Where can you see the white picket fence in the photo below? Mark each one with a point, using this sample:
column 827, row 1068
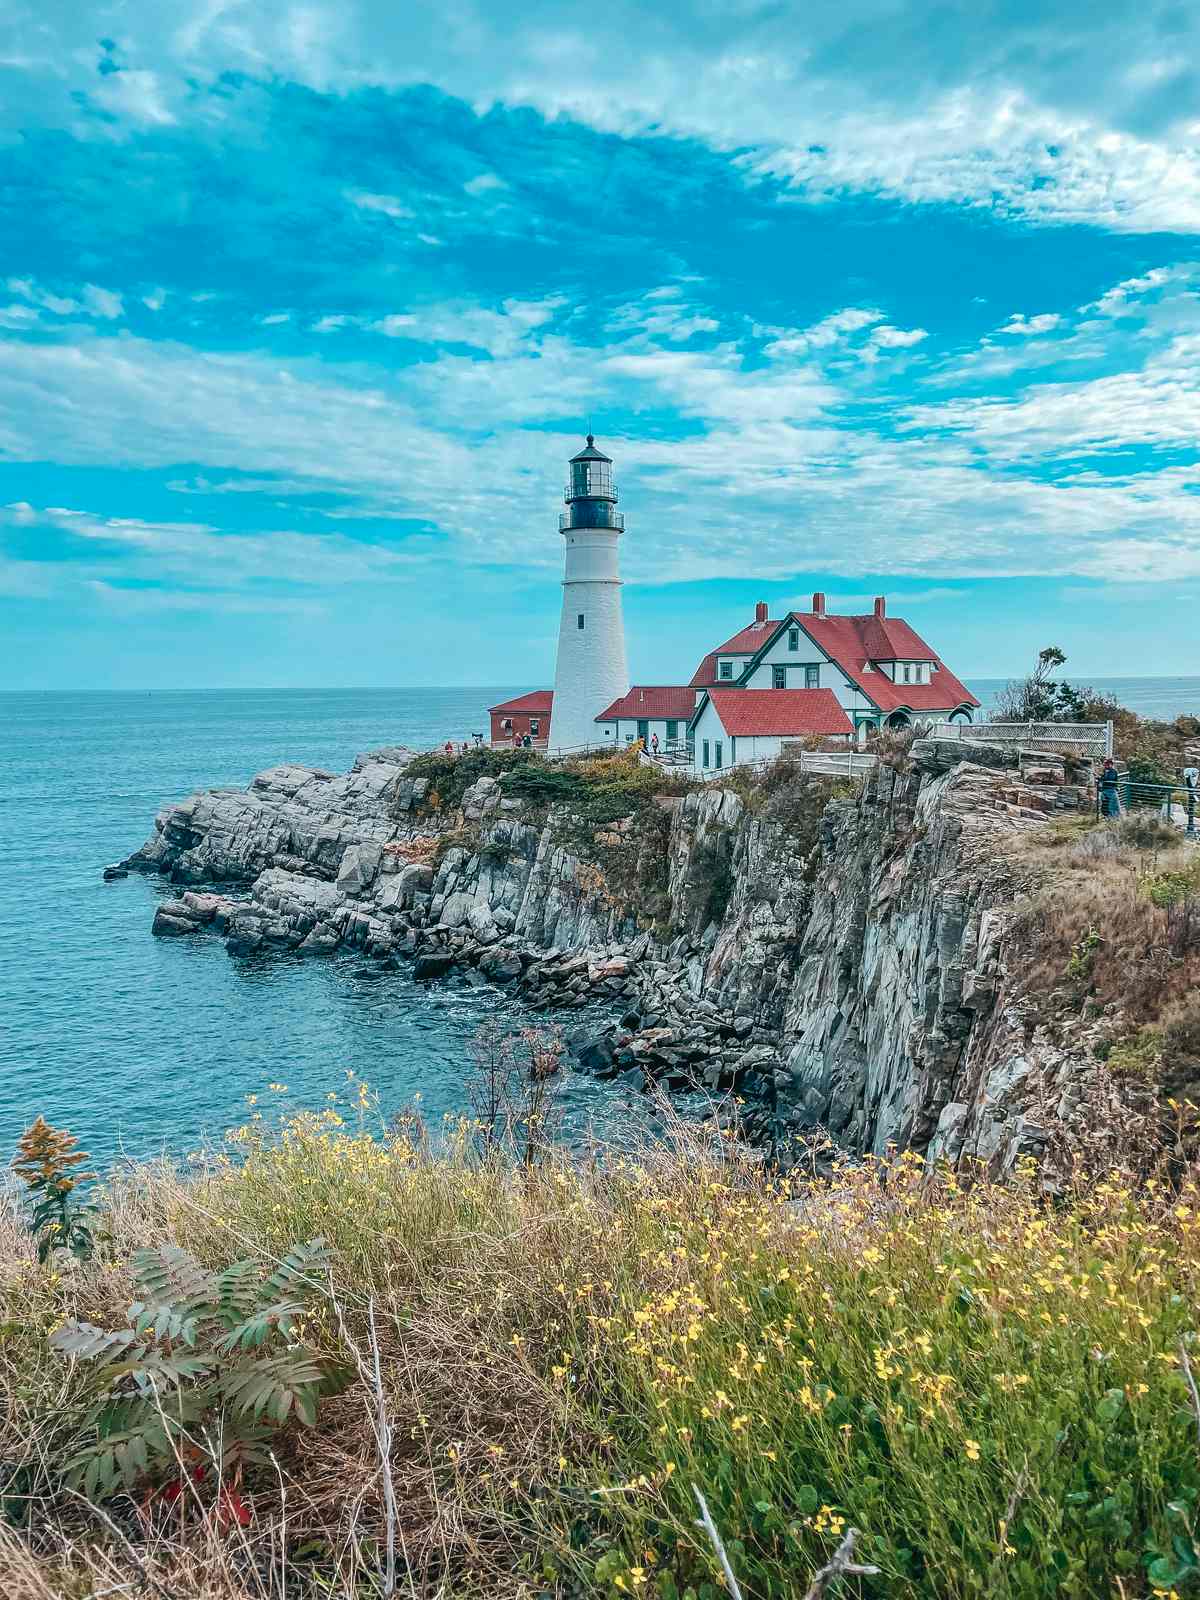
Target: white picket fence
column 1093, row 739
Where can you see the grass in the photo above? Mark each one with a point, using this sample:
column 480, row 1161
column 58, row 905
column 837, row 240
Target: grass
column 988, row 1385
column 1102, row 925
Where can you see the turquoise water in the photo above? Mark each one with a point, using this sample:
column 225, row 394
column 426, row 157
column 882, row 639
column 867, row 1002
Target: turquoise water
column 141, row 1044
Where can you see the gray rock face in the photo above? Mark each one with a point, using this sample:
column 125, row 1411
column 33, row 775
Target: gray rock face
column 290, row 816
column 863, row 986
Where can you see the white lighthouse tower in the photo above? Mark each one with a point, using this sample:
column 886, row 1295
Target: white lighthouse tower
column 591, row 671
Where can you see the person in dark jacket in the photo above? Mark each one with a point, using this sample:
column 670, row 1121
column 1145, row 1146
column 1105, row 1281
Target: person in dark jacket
column 1110, row 797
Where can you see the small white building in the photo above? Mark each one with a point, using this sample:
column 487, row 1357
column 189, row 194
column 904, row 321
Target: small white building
column 656, row 714
column 732, row 726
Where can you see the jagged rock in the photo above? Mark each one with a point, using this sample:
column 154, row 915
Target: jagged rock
column 500, row 965
column 168, row 922
column 432, row 966
column 110, row 874
column 359, row 867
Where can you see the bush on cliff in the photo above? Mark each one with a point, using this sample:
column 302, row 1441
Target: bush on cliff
column 993, row 1389
column 450, row 776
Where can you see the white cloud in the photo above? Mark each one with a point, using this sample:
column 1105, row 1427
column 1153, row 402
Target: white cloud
column 897, row 338
column 485, row 183
column 155, row 300
column 330, row 324
column 831, row 330
column 274, row 319
column 102, row 302
column 1048, row 114
column 498, row 332
column 1029, row 327
column 387, row 204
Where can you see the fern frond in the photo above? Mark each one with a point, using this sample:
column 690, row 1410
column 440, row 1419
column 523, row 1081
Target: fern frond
column 299, row 1273
column 88, row 1343
column 238, row 1289
column 259, row 1327
column 169, row 1276
column 164, row 1322
column 275, row 1386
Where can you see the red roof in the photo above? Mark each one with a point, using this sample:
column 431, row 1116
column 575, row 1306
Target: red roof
column 748, row 642
column 706, row 673
column 646, row 700
column 537, row 700
column 853, row 642
column 745, row 712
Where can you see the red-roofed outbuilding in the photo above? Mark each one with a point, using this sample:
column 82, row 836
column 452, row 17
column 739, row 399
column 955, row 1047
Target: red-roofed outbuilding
column 526, row 714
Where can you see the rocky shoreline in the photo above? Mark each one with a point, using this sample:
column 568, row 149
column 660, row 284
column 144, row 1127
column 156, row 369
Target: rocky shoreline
column 853, row 984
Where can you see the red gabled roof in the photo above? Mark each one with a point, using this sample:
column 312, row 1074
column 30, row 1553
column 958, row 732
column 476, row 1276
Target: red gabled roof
column 749, row 641
column 853, row 642
column 536, row 700
column 645, row 700
column 779, row 712
column 706, row 673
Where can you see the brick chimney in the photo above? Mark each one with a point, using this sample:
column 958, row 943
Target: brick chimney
column 818, row 604
column 760, row 612
column 880, row 606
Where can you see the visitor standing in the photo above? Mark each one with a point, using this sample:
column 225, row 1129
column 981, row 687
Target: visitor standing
column 1110, row 795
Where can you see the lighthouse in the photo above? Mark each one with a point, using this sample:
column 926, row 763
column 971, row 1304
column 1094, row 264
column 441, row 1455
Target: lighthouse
column 591, row 672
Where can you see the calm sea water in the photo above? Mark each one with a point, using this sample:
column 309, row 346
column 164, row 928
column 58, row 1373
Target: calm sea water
column 142, row 1044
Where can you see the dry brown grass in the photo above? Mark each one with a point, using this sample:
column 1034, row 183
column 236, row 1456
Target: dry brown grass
column 1089, row 931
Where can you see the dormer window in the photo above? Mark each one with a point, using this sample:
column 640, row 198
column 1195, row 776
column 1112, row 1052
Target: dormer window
column 725, row 669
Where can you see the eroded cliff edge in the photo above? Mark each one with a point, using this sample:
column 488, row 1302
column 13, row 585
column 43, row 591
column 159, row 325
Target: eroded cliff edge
column 845, row 969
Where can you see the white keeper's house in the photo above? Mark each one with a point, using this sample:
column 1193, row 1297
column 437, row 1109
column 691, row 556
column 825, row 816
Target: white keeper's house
column 806, row 675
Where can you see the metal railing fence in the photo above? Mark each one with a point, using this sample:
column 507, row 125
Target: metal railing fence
column 1176, row 803
column 1093, row 739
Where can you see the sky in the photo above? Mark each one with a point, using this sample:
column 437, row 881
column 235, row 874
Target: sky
column 304, row 305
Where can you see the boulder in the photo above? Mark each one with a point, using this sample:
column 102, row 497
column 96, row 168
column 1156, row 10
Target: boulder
column 502, row 966
column 359, row 868
column 432, row 966
column 598, row 1057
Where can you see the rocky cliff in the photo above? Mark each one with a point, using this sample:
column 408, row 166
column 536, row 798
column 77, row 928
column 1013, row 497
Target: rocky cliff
column 854, row 977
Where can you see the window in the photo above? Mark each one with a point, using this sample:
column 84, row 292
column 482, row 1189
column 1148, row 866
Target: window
column 506, row 725
column 793, row 638
column 779, row 677
column 907, row 673
column 672, row 729
column 717, row 755
column 732, row 750
column 643, row 727
column 812, row 677
column 579, row 620
column 704, row 762
column 725, row 669
column 535, row 726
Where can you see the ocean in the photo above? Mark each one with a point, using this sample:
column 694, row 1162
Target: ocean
column 142, row 1045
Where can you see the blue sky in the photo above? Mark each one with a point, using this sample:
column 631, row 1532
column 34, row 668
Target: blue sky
column 304, row 306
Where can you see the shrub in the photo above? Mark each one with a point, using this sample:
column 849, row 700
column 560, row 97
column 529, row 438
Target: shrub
column 451, row 776
column 1146, row 832
column 45, row 1162
column 211, row 1365
column 1180, row 1048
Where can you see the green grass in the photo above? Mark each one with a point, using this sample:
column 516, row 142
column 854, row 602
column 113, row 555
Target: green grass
column 987, row 1384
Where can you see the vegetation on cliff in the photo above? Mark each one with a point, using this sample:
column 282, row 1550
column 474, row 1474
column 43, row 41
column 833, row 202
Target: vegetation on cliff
column 552, row 1357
